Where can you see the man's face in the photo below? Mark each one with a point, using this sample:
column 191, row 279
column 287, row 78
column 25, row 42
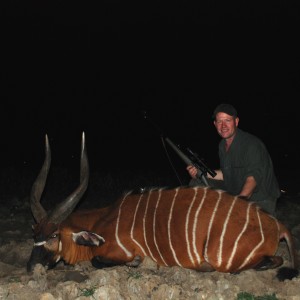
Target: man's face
column 226, row 125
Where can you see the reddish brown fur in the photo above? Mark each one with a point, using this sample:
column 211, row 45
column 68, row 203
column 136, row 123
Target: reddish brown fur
column 104, row 222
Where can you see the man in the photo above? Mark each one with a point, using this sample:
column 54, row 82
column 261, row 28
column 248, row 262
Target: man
column 246, row 168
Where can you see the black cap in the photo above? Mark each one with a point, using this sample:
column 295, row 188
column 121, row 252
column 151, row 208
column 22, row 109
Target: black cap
column 225, row 108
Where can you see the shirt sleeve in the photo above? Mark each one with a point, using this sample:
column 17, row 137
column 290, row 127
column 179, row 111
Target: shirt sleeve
column 255, row 161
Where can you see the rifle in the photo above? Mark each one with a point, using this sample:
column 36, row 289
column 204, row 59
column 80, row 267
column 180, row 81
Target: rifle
column 190, row 158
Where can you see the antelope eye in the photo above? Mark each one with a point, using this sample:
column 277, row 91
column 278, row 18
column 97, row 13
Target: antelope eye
column 54, row 236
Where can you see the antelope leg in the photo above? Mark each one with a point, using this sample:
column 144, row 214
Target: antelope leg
column 269, row 262
column 206, row 267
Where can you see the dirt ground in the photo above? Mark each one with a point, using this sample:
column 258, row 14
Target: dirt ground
column 147, row 281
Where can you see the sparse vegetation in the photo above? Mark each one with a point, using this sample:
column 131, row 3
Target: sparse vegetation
column 14, row 279
column 88, row 292
column 134, row 274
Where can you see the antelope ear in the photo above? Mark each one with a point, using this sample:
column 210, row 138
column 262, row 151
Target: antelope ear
column 87, row 238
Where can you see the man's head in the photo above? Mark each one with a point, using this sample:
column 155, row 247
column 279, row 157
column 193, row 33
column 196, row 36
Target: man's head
column 226, row 120
column 225, row 108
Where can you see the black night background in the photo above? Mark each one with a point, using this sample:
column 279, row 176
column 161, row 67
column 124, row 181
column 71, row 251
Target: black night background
column 69, row 67
column 98, row 67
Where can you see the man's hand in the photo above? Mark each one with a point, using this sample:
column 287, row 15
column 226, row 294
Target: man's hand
column 192, row 171
column 248, row 188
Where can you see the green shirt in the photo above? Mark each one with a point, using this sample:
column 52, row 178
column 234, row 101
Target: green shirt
column 248, row 156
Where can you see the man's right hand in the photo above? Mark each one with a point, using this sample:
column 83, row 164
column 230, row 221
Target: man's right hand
column 192, row 171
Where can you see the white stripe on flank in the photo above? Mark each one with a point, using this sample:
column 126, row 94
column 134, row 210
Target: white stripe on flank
column 220, row 250
column 210, row 225
column 187, row 227
column 195, row 224
column 128, row 253
column 154, row 228
column 258, row 245
column 229, row 263
column 169, row 229
column 133, row 224
column 144, row 227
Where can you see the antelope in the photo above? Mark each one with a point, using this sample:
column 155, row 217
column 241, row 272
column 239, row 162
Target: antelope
column 192, row 227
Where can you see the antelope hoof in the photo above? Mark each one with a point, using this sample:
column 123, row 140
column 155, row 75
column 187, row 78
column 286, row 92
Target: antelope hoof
column 269, row 262
column 135, row 262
